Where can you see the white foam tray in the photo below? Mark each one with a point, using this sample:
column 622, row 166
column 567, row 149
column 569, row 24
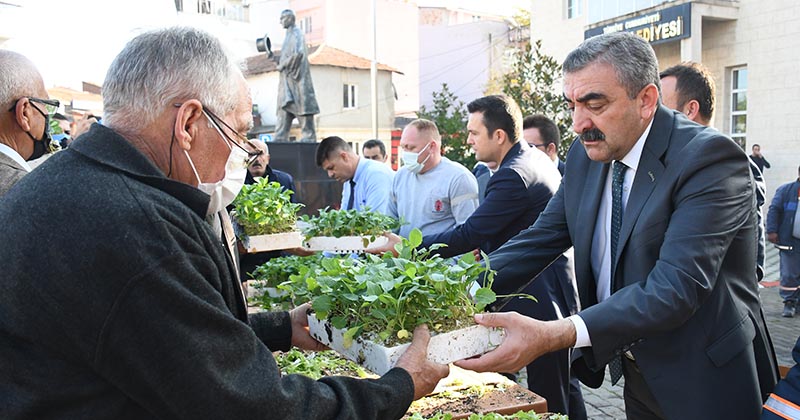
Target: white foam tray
column 275, row 241
column 345, row 244
column 443, row 348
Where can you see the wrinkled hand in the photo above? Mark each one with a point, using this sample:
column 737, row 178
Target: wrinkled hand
column 300, row 336
column 773, row 237
column 426, row 374
column 389, row 247
column 477, row 254
column 526, row 339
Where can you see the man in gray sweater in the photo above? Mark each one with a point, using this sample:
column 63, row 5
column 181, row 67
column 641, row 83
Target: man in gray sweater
column 133, row 309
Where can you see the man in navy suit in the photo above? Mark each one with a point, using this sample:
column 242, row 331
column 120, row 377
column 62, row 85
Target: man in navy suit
column 515, row 194
column 665, row 250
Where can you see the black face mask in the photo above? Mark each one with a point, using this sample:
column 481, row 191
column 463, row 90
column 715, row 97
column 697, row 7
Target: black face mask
column 41, row 146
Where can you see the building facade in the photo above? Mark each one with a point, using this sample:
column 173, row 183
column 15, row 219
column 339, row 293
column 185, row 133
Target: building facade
column 748, row 45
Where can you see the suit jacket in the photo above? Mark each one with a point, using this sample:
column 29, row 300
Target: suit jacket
column 10, row 173
column 561, row 167
column 515, row 195
column 684, row 294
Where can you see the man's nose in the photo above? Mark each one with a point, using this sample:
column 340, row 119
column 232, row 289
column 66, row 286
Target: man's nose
column 580, row 121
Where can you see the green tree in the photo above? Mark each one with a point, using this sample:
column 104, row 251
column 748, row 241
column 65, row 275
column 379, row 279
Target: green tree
column 450, row 116
column 532, row 82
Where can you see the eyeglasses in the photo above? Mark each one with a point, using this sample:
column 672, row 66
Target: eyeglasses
column 242, row 139
column 544, row 146
column 50, row 105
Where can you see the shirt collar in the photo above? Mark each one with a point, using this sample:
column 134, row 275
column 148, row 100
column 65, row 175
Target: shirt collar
column 4, row 149
column 631, row 160
column 359, row 172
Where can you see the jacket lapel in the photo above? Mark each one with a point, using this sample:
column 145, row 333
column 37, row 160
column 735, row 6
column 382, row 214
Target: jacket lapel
column 648, row 173
column 587, row 214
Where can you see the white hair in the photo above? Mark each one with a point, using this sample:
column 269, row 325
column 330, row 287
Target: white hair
column 18, row 77
column 161, row 67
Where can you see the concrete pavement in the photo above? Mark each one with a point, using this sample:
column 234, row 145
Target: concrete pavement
column 606, row 402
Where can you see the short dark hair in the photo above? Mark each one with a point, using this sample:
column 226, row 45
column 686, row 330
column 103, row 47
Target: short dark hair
column 755, row 145
column 500, row 112
column 548, row 130
column 369, row 144
column 330, row 145
column 693, row 81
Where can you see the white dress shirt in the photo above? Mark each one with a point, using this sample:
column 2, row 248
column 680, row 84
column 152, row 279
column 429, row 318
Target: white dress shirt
column 601, row 239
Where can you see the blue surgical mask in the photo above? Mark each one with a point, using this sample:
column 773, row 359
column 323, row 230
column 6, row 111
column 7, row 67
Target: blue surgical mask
column 410, row 160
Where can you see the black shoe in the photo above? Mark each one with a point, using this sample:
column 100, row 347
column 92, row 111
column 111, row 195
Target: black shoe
column 788, row 310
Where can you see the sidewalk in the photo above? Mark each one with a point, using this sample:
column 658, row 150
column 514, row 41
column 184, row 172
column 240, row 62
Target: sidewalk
column 606, row 402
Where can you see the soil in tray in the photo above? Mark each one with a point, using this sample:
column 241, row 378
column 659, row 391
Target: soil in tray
column 481, row 399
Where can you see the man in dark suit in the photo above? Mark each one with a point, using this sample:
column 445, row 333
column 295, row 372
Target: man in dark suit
column 542, row 133
column 516, row 193
column 665, row 250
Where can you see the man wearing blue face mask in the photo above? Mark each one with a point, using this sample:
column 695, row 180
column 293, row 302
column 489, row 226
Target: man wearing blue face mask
column 25, row 124
column 133, row 309
column 430, row 192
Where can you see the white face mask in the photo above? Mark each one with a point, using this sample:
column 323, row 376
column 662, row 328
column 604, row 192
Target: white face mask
column 410, row 160
column 225, row 190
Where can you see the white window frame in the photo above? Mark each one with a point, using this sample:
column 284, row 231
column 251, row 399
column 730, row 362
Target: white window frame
column 349, row 96
column 572, row 8
column 740, row 138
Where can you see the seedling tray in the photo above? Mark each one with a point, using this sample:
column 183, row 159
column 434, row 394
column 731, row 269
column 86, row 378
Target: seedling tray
column 443, row 348
column 275, row 241
column 345, row 244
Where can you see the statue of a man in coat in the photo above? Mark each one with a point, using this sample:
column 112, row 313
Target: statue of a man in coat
column 296, row 98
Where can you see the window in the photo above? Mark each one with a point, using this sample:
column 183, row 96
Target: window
column 305, row 25
column 179, row 5
column 739, row 105
column 350, row 93
column 204, row 7
column 573, row 8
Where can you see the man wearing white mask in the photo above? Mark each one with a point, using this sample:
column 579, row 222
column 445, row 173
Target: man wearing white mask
column 134, row 309
column 430, row 192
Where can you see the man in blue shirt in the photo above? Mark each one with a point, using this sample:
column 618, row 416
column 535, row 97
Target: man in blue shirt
column 367, row 183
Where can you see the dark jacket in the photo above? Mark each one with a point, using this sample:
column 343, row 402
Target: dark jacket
column 132, row 311
column 780, row 217
column 787, row 390
column 515, row 195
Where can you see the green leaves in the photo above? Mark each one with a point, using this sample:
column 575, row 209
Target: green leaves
column 264, row 208
column 338, row 223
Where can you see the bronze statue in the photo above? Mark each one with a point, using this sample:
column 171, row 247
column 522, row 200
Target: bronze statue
column 296, row 98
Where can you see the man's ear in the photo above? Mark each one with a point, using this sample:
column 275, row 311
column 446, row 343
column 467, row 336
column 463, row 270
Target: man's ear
column 23, row 113
column 551, row 148
column 499, row 136
column 187, row 123
column 691, row 109
column 649, row 97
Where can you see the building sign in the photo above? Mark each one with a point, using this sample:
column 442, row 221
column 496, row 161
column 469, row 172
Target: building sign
column 670, row 24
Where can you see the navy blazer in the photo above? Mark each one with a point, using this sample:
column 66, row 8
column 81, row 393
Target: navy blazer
column 684, row 292
column 515, row 195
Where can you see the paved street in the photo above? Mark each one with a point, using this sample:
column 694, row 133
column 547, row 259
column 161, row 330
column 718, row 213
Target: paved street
column 606, row 402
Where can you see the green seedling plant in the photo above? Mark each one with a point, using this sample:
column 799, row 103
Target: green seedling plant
column 270, row 276
column 318, row 364
column 264, row 208
column 386, row 297
column 339, row 223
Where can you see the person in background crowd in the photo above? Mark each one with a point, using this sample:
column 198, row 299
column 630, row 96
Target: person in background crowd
column 374, row 149
column 542, row 133
column 689, row 89
column 157, row 325
column 759, row 159
column 783, row 229
column 664, row 246
column 367, row 183
column 65, row 124
column 24, row 117
column 430, row 192
column 260, row 168
column 784, row 402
